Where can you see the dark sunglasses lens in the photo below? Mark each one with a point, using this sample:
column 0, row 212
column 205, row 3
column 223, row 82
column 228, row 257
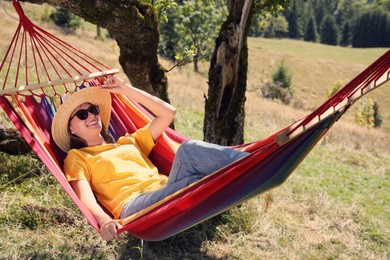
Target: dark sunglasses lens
column 82, row 114
column 94, row 110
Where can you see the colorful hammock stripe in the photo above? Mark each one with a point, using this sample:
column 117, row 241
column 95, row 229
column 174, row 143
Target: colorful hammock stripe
column 31, row 108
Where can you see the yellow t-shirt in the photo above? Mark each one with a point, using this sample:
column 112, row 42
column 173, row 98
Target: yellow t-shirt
column 117, row 172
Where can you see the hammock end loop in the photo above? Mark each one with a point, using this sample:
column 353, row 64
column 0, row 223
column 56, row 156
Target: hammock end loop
column 18, row 8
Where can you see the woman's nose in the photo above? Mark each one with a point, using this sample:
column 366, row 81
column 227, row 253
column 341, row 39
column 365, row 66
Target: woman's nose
column 91, row 115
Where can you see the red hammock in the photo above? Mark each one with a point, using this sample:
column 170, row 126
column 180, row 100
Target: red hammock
column 38, row 57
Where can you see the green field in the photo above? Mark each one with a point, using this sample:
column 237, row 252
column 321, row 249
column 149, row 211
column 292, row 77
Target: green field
column 334, row 206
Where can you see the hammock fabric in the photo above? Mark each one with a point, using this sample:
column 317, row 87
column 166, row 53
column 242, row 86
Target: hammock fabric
column 32, row 106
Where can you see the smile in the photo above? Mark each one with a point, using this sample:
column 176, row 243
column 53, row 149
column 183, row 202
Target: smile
column 93, row 122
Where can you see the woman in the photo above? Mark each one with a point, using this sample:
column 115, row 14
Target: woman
column 119, row 176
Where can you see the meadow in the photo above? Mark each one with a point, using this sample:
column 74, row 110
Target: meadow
column 334, row 206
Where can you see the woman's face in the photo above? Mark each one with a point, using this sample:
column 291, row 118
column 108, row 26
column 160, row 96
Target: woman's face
column 87, row 128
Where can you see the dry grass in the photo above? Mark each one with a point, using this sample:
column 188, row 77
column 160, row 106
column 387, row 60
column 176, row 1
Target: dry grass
column 315, row 68
column 264, row 117
column 323, row 229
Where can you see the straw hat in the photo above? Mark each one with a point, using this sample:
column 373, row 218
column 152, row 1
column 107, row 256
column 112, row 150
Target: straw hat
column 93, row 95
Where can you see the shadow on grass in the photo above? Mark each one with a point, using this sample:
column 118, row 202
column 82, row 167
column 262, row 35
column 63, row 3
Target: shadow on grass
column 185, row 245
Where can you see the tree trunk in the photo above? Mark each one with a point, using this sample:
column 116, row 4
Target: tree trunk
column 98, row 32
column 136, row 29
column 196, row 67
column 224, row 108
column 11, row 142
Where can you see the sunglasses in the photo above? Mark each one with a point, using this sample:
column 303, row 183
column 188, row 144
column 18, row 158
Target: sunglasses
column 82, row 114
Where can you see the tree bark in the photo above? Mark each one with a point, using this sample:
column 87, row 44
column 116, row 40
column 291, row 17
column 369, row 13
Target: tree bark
column 224, row 106
column 136, row 29
column 11, row 142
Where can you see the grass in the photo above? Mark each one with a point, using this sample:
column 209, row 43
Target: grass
column 334, row 206
column 314, row 68
column 328, row 209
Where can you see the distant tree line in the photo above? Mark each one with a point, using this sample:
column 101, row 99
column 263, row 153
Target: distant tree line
column 356, row 23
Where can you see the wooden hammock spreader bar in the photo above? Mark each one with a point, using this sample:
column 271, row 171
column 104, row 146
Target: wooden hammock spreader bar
column 290, row 134
column 53, row 83
column 373, row 85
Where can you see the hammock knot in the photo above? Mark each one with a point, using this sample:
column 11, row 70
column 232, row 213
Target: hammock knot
column 27, row 24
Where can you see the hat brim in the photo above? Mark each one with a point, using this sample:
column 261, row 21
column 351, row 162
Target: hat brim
column 93, row 95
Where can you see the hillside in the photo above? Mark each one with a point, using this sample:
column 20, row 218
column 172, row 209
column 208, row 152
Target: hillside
column 334, row 206
column 314, row 69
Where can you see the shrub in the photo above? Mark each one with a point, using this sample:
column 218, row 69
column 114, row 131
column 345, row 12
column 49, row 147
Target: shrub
column 368, row 114
column 334, row 88
column 65, row 19
column 274, row 90
column 280, row 88
column 377, row 116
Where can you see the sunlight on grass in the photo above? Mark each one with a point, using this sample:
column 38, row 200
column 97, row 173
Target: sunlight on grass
column 363, row 56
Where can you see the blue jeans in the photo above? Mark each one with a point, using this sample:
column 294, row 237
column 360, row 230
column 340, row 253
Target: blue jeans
column 193, row 161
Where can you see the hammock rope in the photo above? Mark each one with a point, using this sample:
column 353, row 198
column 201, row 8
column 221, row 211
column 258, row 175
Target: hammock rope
column 52, row 67
column 45, row 57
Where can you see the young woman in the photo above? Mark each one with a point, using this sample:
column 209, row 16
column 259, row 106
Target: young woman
column 119, row 176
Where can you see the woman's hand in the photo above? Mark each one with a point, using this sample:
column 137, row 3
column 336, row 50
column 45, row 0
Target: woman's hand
column 108, row 227
column 108, row 230
column 164, row 113
column 115, row 85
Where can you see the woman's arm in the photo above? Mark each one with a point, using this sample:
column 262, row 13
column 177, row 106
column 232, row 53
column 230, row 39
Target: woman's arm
column 163, row 111
column 107, row 225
